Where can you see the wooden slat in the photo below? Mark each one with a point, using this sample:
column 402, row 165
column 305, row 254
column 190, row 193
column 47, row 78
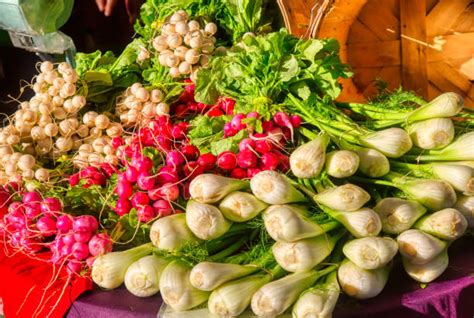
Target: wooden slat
column 463, row 66
column 364, row 76
column 392, row 75
column 359, row 33
column 393, row 6
column 374, row 54
column 465, row 22
column 443, row 15
column 443, row 83
column 380, row 20
column 430, row 4
column 453, row 76
column 451, row 47
column 414, row 73
column 433, row 91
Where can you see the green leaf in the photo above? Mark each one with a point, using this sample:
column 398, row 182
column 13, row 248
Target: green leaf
column 289, row 69
column 311, row 48
column 206, row 90
column 301, row 89
column 227, row 144
column 102, row 77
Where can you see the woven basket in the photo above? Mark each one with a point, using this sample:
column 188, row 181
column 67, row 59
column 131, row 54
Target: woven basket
column 423, row 45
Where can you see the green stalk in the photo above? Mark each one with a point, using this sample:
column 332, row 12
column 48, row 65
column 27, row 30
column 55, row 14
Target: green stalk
column 373, row 181
column 229, row 250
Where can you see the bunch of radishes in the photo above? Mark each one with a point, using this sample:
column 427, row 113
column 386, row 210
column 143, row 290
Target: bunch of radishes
column 37, row 224
column 183, row 46
column 93, row 176
column 138, row 105
column 186, row 105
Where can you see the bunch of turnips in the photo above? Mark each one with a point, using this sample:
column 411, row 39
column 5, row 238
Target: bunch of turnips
column 200, row 173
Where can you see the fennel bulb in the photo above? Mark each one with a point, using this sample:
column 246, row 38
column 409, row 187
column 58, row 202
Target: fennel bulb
column 241, row 206
column 232, row 298
column 205, row 220
column 289, row 223
column 209, row 275
column 274, row 188
column 142, row 278
column 445, row 105
column 307, row 160
column 171, row 232
column 461, row 149
column 392, row 142
column 372, row 163
column 371, row 252
column 210, row 188
column 304, row 254
column 360, row 223
column 419, row 247
column 318, row 301
column 461, row 177
column 342, row 163
column 447, row 224
column 347, row 197
column 274, row 298
column 398, row 215
column 465, row 205
column 361, row 283
column 426, row 273
column 108, row 270
column 433, row 133
column 176, row 289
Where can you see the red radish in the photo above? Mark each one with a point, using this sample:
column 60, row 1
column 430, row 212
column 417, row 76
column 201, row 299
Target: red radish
column 5, row 201
column 80, row 250
column 68, row 239
column 162, row 208
column 267, row 125
column 131, row 174
column 283, row 120
column 90, row 261
column 145, row 213
column 227, row 105
column 169, row 191
column 236, row 122
column 122, row 177
column 191, row 152
column 82, row 236
column 108, row 170
column 215, row 112
column 31, row 245
column 276, row 135
column 32, row 211
column 163, row 143
column 16, row 208
column 117, row 142
column 226, row 160
column 154, row 194
column 140, row 199
column 229, row 131
column 124, row 190
column 144, row 164
column 174, row 158
column 253, row 171
column 246, row 159
column 51, row 205
column 202, row 107
column 246, row 144
column 46, row 225
column 66, row 250
column 74, row 266
column 263, row 146
column 122, row 206
column 270, row 161
column 145, row 181
column 238, row 173
column 85, row 223
column 100, row 244
column 64, row 223
column 177, row 133
column 192, row 169
column 286, row 134
column 30, row 197
column 207, row 160
column 253, row 114
column 295, row 121
column 167, row 174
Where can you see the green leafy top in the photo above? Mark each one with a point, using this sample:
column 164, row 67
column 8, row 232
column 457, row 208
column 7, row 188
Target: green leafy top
column 260, row 71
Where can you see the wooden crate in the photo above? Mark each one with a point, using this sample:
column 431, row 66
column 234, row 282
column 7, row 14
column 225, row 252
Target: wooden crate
column 423, row 45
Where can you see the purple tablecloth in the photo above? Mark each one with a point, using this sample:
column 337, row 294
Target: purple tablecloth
column 451, row 296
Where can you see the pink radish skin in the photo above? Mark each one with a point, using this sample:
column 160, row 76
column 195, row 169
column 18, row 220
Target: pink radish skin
column 140, row 199
column 124, row 190
column 131, row 174
column 145, row 213
column 191, row 152
column 64, row 223
column 226, row 160
column 51, row 205
column 162, row 208
column 144, row 164
column 74, row 267
column 246, row 144
column 46, row 225
column 229, row 131
column 31, row 197
column 100, row 244
column 85, row 223
column 169, row 191
column 82, row 237
column 122, row 207
column 207, row 161
column 246, row 159
column 236, row 122
column 270, row 161
column 239, row 173
column 145, row 181
column 68, row 239
column 174, row 158
column 80, row 250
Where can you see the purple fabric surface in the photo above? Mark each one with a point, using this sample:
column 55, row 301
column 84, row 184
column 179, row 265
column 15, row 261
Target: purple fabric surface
column 450, row 296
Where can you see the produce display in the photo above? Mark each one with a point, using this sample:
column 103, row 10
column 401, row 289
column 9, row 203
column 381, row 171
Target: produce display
column 211, row 163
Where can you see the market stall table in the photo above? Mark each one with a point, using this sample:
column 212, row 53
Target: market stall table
column 450, row 296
